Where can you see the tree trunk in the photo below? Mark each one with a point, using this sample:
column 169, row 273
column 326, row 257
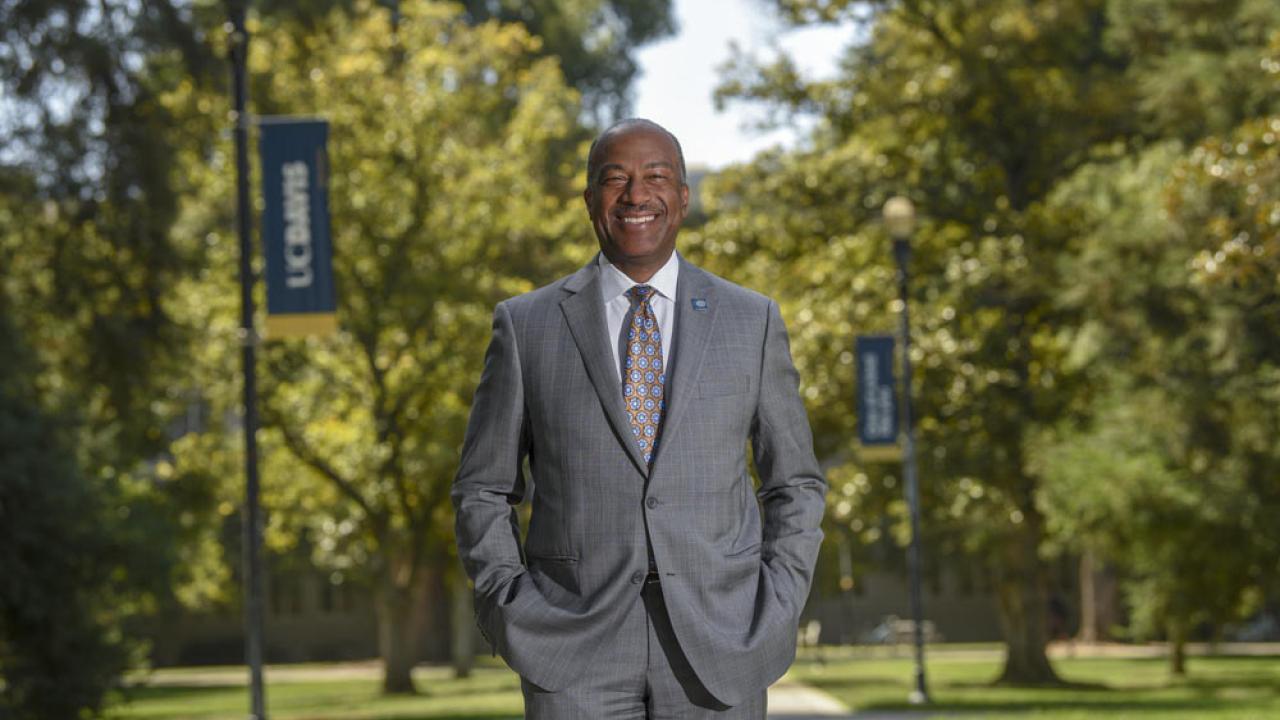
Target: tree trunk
column 462, row 629
column 1024, row 608
column 1088, row 600
column 1098, row 604
column 1108, row 600
column 1177, row 629
column 400, row 606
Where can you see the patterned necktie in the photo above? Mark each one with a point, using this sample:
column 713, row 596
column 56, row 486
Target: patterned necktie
column 642, row 372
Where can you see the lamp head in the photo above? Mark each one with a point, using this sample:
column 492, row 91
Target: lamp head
column 899, row 217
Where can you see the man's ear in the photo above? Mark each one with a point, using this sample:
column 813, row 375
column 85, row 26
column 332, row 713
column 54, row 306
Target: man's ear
column 586, row 198
column 684, row 198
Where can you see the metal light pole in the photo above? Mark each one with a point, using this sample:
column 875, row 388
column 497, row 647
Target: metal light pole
column 899, row 218
column 238, row 46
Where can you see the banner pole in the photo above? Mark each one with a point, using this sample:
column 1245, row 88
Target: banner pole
column 239, row 46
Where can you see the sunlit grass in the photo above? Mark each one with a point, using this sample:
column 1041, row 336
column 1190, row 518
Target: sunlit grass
column 490, row 693
column 1246, row 688
column 1239, row 688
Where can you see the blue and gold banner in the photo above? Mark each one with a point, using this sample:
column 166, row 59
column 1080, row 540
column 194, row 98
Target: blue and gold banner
column 295, row 227
column 877, row 398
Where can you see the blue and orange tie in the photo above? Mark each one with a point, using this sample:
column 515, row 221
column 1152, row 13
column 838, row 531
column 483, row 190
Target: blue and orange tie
column 643, row 374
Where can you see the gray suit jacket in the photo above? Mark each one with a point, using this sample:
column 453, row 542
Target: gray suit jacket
column 735, row 572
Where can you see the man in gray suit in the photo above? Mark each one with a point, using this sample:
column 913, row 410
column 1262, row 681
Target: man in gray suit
column 652, row 582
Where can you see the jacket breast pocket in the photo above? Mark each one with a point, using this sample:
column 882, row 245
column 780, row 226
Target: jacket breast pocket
column 724, row 385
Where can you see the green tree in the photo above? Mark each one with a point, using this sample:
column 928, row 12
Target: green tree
column 451, row 189
column 1227, row 196
column 95, row 526
column 594, row 41
column 955, row 104
column 1176, row 277
column 74, row 571
column 978, row 111
column 1138, row 488
column 88, row 159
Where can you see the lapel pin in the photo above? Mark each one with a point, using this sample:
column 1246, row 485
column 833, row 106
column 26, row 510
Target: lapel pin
column 699, row 304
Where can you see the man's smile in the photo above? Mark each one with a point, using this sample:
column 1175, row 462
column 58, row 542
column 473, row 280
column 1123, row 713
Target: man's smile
column 637, row 219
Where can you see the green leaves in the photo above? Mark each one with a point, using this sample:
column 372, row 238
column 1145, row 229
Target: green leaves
column 72, row 572
column 450, row 190
column 592, row 41
column 1086, row 257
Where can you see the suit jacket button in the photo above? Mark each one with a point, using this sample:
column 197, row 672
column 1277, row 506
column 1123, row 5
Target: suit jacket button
column 637, row 578
column 652, row 503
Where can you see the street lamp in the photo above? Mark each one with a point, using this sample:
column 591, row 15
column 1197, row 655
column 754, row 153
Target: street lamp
column 900, row 220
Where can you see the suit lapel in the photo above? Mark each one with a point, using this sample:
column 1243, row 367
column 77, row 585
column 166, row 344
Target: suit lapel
column 694, row 318
column 584, row 312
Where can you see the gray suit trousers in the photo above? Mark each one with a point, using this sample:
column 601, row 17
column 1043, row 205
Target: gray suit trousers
column 643, row 674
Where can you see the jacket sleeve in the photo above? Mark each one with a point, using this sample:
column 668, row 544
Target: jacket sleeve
column 490, row 480
column 792, row 490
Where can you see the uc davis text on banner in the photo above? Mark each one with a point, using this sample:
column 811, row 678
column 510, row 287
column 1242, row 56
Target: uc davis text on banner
column 295, row 227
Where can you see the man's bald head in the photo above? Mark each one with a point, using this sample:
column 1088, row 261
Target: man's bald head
column 593, row 164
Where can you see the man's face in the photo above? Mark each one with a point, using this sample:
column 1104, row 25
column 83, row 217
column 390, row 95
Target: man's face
column 636, row 199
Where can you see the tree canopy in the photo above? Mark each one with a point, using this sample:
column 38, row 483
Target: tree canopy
column 451, row 189
column 1007, row 123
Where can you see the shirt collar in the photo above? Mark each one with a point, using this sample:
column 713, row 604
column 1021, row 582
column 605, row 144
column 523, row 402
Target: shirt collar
column 614, row 282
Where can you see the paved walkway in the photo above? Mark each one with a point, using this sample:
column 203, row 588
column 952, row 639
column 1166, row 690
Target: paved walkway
column 790, row 700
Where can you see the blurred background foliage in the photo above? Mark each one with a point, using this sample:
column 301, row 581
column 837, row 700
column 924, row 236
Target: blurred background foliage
column 451, row 190
column 1095, row 310
column 1098, row 246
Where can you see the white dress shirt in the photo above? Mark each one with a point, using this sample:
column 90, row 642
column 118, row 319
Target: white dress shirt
column 614, row 285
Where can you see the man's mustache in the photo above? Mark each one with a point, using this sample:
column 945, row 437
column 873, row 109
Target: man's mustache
column 639, row 209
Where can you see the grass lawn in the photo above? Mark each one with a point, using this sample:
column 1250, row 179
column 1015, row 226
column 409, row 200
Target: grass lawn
column 1103, row 688
column 1239, row 688
column 490, row 693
